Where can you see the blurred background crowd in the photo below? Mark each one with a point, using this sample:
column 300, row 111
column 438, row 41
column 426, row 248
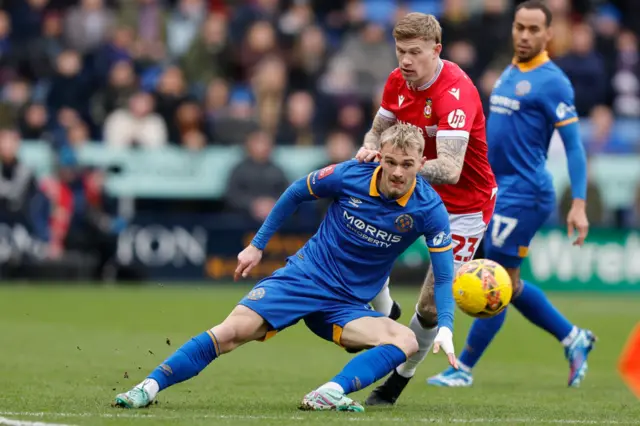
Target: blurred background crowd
column 260, row 75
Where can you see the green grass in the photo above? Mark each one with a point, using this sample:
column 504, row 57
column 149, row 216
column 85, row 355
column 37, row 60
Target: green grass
column 64, row 353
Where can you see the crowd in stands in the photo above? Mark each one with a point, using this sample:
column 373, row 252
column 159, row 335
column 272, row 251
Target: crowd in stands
column 265, row 73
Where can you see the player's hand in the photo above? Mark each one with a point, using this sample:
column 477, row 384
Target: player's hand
column 247, row 260
column 577, row 221
column 366, row 155
column 444, row 340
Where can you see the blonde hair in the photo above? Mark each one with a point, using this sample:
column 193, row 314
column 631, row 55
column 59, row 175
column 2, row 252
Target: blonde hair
column 403, row 136
column 418, row 25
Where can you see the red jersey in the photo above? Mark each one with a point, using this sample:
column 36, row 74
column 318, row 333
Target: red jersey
column 449, row 105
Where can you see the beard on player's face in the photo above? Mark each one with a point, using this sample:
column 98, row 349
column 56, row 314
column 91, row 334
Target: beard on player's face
column 530, row 34
column 399, row 170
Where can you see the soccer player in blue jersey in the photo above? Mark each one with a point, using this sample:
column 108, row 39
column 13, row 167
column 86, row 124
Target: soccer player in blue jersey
column 532, row 98
column 378, row 211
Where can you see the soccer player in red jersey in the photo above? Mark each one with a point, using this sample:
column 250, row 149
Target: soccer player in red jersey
column 439, row 98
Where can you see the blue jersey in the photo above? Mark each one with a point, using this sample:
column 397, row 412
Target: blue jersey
column 363, row 233
column 528, row 103
column 346, row 263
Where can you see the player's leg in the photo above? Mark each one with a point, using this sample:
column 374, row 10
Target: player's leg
column 275, row 303
column 467, row 231
column 241, row 326
column 385, row 304
column 509, row 236
column 424, row 325
column 388, row 342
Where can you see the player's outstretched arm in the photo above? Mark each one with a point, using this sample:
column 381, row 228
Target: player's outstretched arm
column 439, row 242
column 326, row 182
column 447, row 167
column 560, row 109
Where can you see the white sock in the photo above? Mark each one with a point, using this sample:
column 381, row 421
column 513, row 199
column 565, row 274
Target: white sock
column 333, row 386
column 425, row 337
column 383, row 301
column 571, row 337
column 151, row 386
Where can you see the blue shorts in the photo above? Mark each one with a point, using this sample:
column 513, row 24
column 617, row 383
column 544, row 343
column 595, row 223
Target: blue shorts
column 511, row 230
column 288, row 296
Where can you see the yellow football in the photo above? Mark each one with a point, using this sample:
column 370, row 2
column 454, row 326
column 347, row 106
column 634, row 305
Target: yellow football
column 482, row 288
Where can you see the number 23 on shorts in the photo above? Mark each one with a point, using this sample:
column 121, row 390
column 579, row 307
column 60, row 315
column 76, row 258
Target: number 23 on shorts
column 464, row 248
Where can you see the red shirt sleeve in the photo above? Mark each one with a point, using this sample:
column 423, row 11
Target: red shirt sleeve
column 389, row 104
column 457, row 110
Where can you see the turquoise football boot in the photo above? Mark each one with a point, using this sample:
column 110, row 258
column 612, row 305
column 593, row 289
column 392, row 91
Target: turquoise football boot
column 135, row 398
column 329, row 399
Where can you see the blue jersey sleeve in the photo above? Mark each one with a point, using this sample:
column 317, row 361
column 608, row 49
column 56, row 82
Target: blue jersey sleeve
column 438, row 238
column 560, row 109
column 558, row 102
column 326, row 182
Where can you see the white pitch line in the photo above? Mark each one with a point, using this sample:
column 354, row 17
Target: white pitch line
column 10, row 422
column 143, row 416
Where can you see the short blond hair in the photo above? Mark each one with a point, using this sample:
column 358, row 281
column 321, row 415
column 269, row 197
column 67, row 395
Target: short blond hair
column 403, row 136
column 418, row 25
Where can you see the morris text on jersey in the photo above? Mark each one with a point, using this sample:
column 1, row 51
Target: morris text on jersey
column 369, row 232
column 504, row 105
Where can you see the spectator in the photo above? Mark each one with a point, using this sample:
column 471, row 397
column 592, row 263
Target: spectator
column 183, row 26
column 210, row 56
column 69, row 88
column 603, row 137
column 148, row 18
column 71, row 214
column 233, row 124
column 8, row 49
column 256, row 183
column 297, row 127
column 17, row 183
column 136, row 125
column 626, row 80
column 309, row 58
column 370, row 58
column 171, row 92
column 38, row 58
column 78, row 135
column 15, row 95
column 121, row 85
column 189, row 118
column 259, row 43
column 88, row 25
column 33, row 123
column 269, row 84
column 585, row 68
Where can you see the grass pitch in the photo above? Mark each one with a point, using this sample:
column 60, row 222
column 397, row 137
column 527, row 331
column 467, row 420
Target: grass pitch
column 66, row 352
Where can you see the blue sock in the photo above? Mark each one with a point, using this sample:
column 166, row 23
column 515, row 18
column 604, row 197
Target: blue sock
column 482, row 332
column 369, row 367
column 536, row 307
column 187, row 361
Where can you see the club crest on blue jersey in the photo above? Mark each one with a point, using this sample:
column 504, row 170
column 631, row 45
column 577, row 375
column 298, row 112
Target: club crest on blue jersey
column 404, row 223
column 256, row 294
column 523, row 87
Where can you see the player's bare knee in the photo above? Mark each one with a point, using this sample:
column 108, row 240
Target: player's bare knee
column 400, row 336
column 407, row 341
column 241, row 326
